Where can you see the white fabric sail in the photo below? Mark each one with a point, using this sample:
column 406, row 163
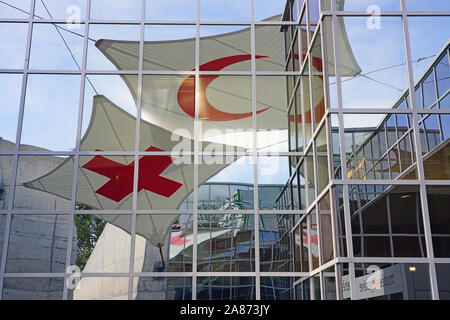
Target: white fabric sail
column 224, row 101
column 106, row 182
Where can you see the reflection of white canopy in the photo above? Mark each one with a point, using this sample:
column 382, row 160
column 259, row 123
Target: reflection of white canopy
column 167, row 100
column 109, row 129
column 179, row 241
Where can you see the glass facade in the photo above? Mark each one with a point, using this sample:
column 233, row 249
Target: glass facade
column 131, row 132
column 375, row 162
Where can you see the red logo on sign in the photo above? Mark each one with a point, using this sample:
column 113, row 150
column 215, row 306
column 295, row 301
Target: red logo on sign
column 120, row 184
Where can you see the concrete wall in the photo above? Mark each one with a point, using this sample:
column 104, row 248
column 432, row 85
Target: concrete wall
column 38, row 242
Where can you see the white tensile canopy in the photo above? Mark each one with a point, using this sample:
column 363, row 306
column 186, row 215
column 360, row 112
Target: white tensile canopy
column 105, row 182
column 224, row 101
column 168, row 105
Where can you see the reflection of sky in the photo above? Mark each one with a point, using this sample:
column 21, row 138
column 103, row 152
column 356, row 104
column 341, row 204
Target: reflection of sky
column 373, row 49
column 50, row 113
column 378, row 49
column 428, row 35
column 112, row 87
column 10, row 85
column 95, row 59
column 181, row 10
column 171, row 32
column 394, row 5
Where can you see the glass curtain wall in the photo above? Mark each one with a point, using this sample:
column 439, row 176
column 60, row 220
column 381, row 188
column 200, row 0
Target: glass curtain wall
column 227, row 149
column 144, row 145
column 372, row 121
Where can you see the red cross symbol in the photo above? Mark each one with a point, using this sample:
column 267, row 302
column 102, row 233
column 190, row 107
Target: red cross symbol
column 120, row 184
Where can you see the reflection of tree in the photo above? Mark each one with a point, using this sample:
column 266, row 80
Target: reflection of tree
column 89, row 229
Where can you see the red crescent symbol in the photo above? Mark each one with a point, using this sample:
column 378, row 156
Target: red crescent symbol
column 186, row 92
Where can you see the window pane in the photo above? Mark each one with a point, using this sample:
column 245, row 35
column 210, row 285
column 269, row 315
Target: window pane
column 6, row 167
column 381, row 219
column 219, row 42
column 443, row 75
column 169, row 47
column 51, row 102
column 116, row 9
column 33, row 288
column 358, row 5
column 2, row 232
column 442, row 271
column 272, row 132
column 170, row 10
column 103, row 243
column 225, row 243
column 434, row 5
column 407, row 281
column 72, row 10
column 269, row 8
column 429, row 90
column 301, row 256
column 269, row 48
column 237, row 10
column 322, row 159
column 32, row 179
column 49, row 47
column 273, row 173
column 438, row 202
column 329, row 279
column 161, row 107
column 275, row 240
column 225, row 111
column 378, row 51
column 101, row 288
column 428, row 35
column 326, row 231
column 161, row 288
column 13, row 45
column 10, row 88
column 226, row 288
column 109, row 113
column 7, row 11
column 37, row 243
column 277, row 288
column 105, row 182
column 176, row 250
column 231, row 188
column 114, row 47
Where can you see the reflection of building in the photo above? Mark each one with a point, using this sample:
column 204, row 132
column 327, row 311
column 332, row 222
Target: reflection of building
column 232, row 196
column 386, row 222
column 225, row 243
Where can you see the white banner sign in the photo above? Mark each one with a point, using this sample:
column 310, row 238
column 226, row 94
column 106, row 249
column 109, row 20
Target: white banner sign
column 378, row 283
